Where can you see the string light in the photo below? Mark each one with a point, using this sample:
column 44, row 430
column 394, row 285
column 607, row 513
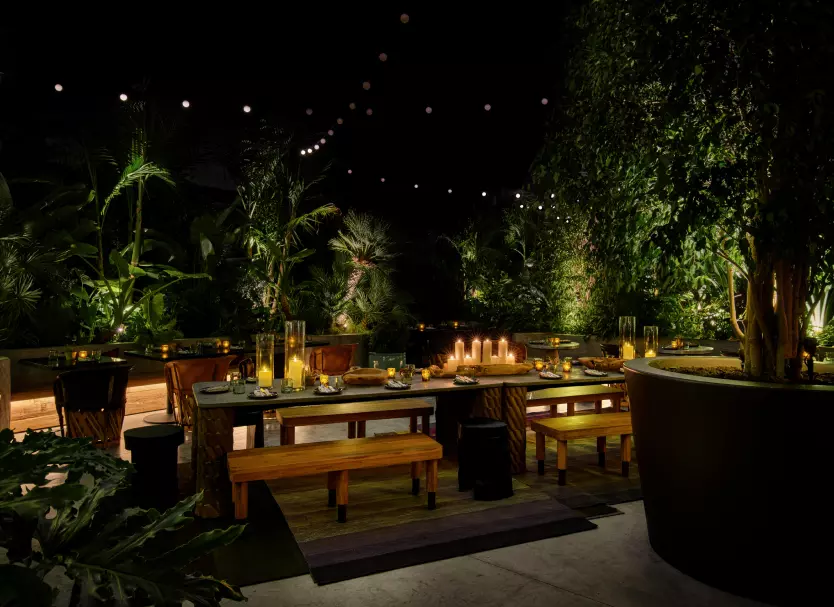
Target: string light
column 309, row 111
column 315, row 147
column 309, row 150
column 339, row 121
column 369, row 111
column 383, row 57
column 352, row 105
column 330, row 132
column 59, row 87
column 404, row 18
column 382, row 180
column 450, row 190
column 428, row 110
column 350, row 172
column 521, row 205
column 518, row 195
column 323, row 140
column 366, row 85
column 487, row 107
column 247, row 109
column 552, row 196
column 483, row 193
column 186, row 104
column 416, row 186
column 540, row 207
column 544, row 101
column 303, row 152
column 123, row 97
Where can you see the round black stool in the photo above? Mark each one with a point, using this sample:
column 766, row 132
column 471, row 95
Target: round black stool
column 484, row 459
column 153, row 451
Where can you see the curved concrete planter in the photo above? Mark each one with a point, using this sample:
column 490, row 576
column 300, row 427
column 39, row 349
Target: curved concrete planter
column 733, row 476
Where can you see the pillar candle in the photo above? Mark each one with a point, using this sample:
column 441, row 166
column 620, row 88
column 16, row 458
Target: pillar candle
column 459, row 350
column 451, row 365
column 476, row 351
column 296, row 372
column 265, row 378
column 510, row 359
column 502, row 351
column 486, row 356
column 467, row 360
column 628, row 351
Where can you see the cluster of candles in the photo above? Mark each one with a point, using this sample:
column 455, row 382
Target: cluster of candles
column 480, row 354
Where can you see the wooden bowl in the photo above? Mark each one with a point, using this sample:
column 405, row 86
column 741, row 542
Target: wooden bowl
column 601, row 364
column 366, row 377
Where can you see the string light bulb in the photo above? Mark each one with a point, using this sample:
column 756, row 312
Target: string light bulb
column 352, row 105
column 540, row 207
column 123, row 97
column 339, row 121
column 544, row 101
column 521, row 206
column 552, row 196
column 330, row 132
column 366, row 85
column 483, row 194
column 518, row 195
column 350, row 171
column 382, row 180
column 416, row 186
column 186, row 103
column 450, row 190
column 487, row 107
column 309, row 111
column 404, row 18
column 59, row 87
column 315, row 147
column 369, row 112
column 309, row 150
column 428, row 110
column 303, row 152
column 383, row 57
column 247, row 109
column 323, row 140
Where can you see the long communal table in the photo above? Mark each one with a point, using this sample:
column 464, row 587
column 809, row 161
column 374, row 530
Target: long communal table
column 503, row 398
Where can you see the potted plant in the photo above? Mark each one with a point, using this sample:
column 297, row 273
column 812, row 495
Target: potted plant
column 708, row 124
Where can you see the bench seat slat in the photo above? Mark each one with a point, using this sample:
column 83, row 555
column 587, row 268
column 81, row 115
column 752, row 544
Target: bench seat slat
column 317, row 458
column 584, row 426
column 353, row 412
column 569, row 394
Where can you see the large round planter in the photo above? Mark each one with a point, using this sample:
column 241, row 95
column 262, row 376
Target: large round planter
column 735, row 477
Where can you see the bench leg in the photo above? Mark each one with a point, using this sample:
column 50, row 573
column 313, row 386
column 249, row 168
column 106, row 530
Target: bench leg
column 540, row 438
column 342, row 496
column 625, row 448
column 412, row 424
column 598, row 406
column 554, row 410
column 332, row 485
column 240, row 497
column 416, row 471
column 601, row 451
column 427, row 424
column 360, row 429
column 351, row 429
column 562, row 461
column 616, row 402
column 255, row 435
column 431, row 483
column 571, row 408
column 287, row 435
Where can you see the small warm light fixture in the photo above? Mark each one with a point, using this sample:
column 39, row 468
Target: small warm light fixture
column 421, row 326
column 303, row 152
column 483, row 194
column 567, row 365
column 350, row 171
column 428, row 110
column 518, row 195
column 425, row 374
column 383, row 57
column 315, row 147
column 392, row 372
column 309, row 150
column 186, row 103
column 330, row 132
column 309, row 111
column 455, row 325
column 120, row 329
column 82, row 355
column 544, row 101
column 339, row 121
column 164, row 348
column 59, row 87
column 416, row 186
column 366, row 85
column 123, row 97
column 369, row 111
column 323, row 140
column 247, row 109
column 450, row 190
column 487, row 107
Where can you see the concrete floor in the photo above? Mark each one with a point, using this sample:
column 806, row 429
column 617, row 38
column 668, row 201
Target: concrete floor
column 612, row 565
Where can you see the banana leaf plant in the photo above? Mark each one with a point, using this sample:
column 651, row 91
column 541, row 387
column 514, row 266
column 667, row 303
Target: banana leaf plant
column 64, row 521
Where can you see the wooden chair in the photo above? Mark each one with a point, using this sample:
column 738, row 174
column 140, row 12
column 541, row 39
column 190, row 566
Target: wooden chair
column 93, row 401
column 247, row 368
column 332, row 360
column 181, row 375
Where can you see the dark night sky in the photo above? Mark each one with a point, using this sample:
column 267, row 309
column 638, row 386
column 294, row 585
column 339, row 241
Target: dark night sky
column 282, row 61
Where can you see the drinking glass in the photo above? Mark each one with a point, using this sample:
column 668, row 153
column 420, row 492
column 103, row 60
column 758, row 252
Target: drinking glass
column 407, row 374
column 96, row 355
column 287, row 385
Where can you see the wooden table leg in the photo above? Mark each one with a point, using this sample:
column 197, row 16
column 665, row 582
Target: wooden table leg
column 427, row 424
column 601, row 451
column 554, row 410
column 332, row 485
column 416, row 471
column 360, row 429
column 598, row 406
column 351, row 429
column 571, row 408
column 255, row 435
column 290, row 435
column 451, row 409
column 342, row 496
column 412, row 424
column 214, row 438
column 431, row 483
column 540, row 438
column 615, row 401
column 514, row 414
column 625, row 448
column 240, row 497
column 562, row 461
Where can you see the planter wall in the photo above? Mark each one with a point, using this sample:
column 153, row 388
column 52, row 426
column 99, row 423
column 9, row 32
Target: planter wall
column 5, row 393
column 730, row 472
column 591, row 345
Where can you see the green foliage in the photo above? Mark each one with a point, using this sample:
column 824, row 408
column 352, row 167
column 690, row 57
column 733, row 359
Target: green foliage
column 378, row 308
column 327, row 293
column 71, row 520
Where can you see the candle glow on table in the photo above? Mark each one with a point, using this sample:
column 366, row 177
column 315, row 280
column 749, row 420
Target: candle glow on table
column 502, row 351
column 296, row 372
column 421, row 326
column 476, row 351
column 265, row 378
column 567, row 366
column 459, row 350
column 82, row 354
column 425, row 374
column 392, row 372
column 628, row 351
column 486, row 354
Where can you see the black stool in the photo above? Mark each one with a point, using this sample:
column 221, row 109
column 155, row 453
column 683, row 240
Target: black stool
column 484, row 459
column 153, row 451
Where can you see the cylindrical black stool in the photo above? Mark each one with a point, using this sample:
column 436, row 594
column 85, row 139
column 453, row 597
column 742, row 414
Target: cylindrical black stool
column 484, row 463
column 153, row 451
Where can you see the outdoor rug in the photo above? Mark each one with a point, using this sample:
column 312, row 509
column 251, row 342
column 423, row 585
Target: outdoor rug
column 389, row 528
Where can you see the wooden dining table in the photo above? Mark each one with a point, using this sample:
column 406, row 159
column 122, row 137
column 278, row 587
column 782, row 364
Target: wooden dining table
column 499, row 397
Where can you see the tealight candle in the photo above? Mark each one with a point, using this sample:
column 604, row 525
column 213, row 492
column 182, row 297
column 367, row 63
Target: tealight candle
column 628, row 351
column 425, row 374
column 392, row 372
column 82, row 354
column 226, row 343
column 164, row 348
column 421, row 326
column 650, row 353
column 324, row 379
column 539, row 364
column 567, row 366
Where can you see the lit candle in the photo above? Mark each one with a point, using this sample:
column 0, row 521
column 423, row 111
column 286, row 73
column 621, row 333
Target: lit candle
column 467, row 361
column 459, row 350
column 265, row 378
column 421, row 326
column 392, row 372
column 425, row 374
column 455, row 324
column 502, row 351
column 486, row 355
column 567, row 366
column 539, row 364
column 82, row 354
column 226, row 343
column 324, row 379
column 296, row 372
column 650, row 353
column 218, row 343
column 510, row 359
column 165, row 348
column 476, row 351
column 451, row 364
column 628, row 351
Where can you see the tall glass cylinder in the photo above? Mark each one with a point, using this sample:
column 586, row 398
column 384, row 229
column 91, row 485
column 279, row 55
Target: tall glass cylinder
column 265, row 359
column 650, row 341
column 628, row 325
column 295, row 332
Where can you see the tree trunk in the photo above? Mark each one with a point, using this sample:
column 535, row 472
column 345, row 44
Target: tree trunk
column 732, row 288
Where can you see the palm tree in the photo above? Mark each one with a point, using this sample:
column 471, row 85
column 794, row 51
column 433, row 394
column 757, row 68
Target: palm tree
column 366, row 243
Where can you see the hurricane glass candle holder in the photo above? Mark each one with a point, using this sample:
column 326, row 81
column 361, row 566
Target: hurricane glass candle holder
column 627, row 331
column 650, row 341
column 265, row 359
column 294, row 359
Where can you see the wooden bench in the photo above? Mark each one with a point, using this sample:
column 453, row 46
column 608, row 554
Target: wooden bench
column 570, row 395
column 564, row 429
column 335, row 458
column 354, row 414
